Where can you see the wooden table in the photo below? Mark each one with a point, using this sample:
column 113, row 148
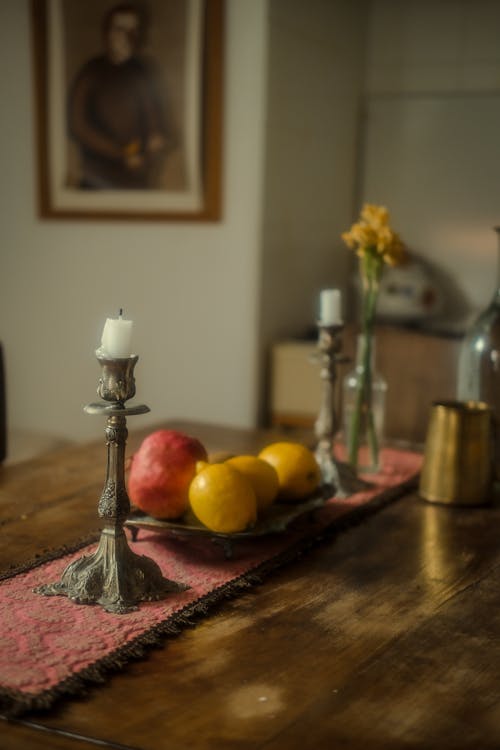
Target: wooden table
column 386, row 637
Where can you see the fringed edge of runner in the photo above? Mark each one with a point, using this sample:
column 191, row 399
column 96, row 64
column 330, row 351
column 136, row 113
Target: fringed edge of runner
column 48, row 555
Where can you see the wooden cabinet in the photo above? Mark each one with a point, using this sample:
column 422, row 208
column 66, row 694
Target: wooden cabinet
column 419, row 368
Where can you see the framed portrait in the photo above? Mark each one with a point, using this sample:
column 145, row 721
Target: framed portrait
column 129, row 108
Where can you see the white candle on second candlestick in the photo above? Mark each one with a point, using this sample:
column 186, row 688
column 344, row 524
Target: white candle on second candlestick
column 330, row 307
column 116, row 337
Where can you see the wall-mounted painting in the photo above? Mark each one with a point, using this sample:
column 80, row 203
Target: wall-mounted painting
column 129, row 108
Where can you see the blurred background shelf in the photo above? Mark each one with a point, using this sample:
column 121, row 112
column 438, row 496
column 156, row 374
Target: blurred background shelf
column 419, row 367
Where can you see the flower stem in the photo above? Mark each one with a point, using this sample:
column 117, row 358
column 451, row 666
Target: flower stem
column 363, row 408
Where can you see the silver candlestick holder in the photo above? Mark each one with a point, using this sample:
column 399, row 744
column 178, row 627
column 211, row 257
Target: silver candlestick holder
column 339, row 475
column 113, row 576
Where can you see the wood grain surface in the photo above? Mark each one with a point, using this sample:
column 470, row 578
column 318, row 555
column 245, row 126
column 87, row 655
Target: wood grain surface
column 386, row 636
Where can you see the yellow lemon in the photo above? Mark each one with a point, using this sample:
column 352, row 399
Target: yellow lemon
column 222, row 499
column 262, row 476
column 298, row 471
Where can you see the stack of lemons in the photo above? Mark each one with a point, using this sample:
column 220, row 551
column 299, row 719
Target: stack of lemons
column 228, row 497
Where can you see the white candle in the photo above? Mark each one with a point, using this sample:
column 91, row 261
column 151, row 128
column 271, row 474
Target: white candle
column 330, row 307
column 116, row 337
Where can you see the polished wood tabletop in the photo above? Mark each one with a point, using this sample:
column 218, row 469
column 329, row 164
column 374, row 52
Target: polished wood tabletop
column 386, row 636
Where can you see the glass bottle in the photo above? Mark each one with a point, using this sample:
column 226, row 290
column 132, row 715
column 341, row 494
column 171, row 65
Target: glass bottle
column 479, row 360
column 363, row 409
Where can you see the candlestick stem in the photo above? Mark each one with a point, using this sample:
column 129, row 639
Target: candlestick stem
column 333, row 472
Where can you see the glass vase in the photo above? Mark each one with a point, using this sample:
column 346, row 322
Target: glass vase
column 479, row 361
column 363, row 409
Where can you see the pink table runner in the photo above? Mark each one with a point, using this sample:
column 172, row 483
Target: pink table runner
column 51, row 647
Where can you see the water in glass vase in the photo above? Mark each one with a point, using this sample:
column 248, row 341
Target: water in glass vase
column 479, row 361
column 363, row 408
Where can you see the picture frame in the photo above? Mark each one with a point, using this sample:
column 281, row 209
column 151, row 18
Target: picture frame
column 129, row 100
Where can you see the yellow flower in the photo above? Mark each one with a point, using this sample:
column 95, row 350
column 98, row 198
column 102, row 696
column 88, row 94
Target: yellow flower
column 373, row 235
column 377, row 216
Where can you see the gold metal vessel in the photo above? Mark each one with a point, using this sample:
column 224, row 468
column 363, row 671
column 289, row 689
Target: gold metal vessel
column 458, row 456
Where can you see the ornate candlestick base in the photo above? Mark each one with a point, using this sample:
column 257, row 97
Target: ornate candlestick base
column 339, row 475
column 114, row 576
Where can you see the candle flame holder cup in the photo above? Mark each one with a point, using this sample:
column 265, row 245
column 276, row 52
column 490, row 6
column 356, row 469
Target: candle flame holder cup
column 339, row 475
column 113, row 576
column 117, row 382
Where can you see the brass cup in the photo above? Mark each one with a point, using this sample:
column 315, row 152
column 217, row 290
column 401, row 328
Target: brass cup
column 458, row 455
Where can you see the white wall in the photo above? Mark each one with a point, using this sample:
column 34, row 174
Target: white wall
column 315, row 81
column 316, row 69
column 431, row 149
column 208, row 299
column 192, row 289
